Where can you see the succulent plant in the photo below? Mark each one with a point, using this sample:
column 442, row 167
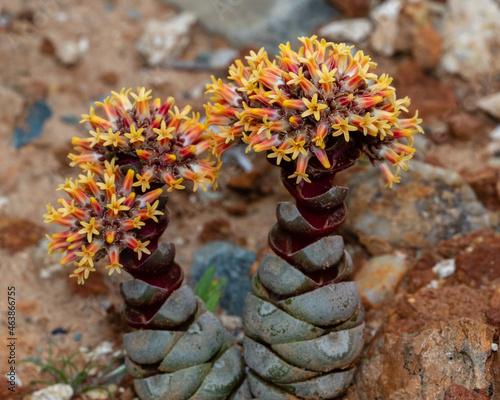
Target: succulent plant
column 179, row 350
column 315, row 112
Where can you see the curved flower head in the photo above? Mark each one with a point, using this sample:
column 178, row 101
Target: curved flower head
column 102, row 215
column 164, row 143
column 312, row 105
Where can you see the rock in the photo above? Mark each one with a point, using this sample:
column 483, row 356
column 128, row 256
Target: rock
column 70, row 120
column 431, row 97
column 490, row 104
column 375, row 245
column 221, row 58
column 353, row 8
column 493, row 316
column 163, row 41
column 109, row 78
column 27, row 307
column 437, row 129
column 478, row 264
column 34, row 89
column 245, row 181
column 54, row 392
column 452, row 248
column 134, row 13
column 378, row 278
column 424, row 342
column 36, row 117
column 11, row 107
column 10, row 395
column 422, row 365
column 231, row 262
column 495, row 133
column 427, row 47
column 237, row 155
column 421, row 273
column 494, row 150
column 386, row 19
column 266, row 22
column 47, row 47
column 464, row 126
column 69, row 52
column 99, row 394
column 443, row 304
column 444, row 268
column 429, row 205
column 231, row 322
column 236, row 208
column 471, row 32
column 216, row 229
column 485, row 184
column 457, row 392
column 354, row 30
column 16, row 234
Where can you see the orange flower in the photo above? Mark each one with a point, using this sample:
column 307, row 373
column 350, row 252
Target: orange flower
column 169, row 143
column 304, row 104
column 102, row 217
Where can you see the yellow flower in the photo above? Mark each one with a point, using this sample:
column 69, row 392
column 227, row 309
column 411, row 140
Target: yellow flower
column 152, row 211
column 299, row 176
column 109, row 183
column 135, row 136
column 297, row 147
column 112, row 138
column 143, row 181
column 367, row 123
column 343, row 128
column 279, row 154
column 87, row 256
column 114, row 267
column 138, row 223
column 116, row 205
column 142, row 96
column 175, row 184
column 313, row 108
column 90, row 228
column 164, row 132
column 141, row 248
column 96, row 137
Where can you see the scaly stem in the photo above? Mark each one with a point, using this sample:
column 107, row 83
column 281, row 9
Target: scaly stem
column 319, row 212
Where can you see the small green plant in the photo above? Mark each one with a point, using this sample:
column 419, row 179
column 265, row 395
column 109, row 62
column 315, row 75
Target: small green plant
column 210, row 289
column 82, row 375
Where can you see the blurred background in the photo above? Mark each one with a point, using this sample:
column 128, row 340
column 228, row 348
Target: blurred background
column 59, row 56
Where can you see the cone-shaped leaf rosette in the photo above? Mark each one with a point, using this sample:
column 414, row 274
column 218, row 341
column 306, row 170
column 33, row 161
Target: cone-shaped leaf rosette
column 304, row 321
column 181, row 350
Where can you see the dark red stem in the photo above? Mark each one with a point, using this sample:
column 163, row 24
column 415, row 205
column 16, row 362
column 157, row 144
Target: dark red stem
column 320, row 204
column 158, row 272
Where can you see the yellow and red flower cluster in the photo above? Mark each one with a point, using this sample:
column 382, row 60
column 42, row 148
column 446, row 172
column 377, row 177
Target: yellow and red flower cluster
column 167, row 141
column 309, row 103
column 102, row 216
column 155, row 144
